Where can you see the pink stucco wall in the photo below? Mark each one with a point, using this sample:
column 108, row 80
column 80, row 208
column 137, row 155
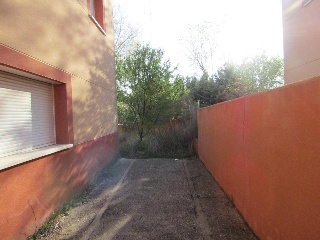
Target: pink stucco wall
column 58, row 41
column 32, row 191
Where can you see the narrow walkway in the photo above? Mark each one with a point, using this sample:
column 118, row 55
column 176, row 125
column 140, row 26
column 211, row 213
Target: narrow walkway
column 154, row 199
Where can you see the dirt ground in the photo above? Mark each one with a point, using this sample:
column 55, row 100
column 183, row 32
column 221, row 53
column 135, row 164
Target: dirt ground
column 154, row 199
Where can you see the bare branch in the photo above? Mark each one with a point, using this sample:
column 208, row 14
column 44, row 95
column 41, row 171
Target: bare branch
column 125, row 34
column 201, row 45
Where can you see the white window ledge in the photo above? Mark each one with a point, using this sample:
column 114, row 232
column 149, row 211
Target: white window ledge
column 9, row 161
column 306, row 2
column 98, row 25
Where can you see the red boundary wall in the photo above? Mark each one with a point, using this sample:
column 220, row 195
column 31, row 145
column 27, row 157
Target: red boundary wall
column 264, row 150
column 31, row 191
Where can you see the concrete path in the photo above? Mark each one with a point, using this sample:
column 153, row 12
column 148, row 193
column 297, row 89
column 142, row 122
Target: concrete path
column 154, row 199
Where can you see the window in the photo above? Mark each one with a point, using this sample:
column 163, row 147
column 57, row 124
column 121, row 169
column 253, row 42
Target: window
column 92, row 8
column 96, row 9
column 36, row 117
column 26, row 114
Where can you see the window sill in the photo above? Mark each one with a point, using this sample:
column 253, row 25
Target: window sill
column 306, row 2
column 98, row 25
column 9, row 161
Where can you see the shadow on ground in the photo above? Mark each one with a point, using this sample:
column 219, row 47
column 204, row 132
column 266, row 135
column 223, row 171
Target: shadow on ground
column 154, row 199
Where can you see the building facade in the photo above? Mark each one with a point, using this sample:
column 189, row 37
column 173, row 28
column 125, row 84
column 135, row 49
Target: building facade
column 58, row 106
column 301, row 37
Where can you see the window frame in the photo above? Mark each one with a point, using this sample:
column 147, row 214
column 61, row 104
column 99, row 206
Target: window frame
column 28, row 114
column 97, row 15
column 63, row 132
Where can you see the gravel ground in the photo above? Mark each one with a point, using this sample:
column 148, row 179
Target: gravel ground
column 154, row 199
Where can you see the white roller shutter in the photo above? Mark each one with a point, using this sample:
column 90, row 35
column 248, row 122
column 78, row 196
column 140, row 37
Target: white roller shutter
column 26, row 114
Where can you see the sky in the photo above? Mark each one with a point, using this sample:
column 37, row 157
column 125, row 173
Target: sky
column 245, row 28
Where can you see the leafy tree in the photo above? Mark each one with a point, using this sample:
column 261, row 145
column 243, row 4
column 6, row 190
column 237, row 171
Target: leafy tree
column 202, row 90
column 261, row 72
column 231, row 81
column 227, row 83
column 147, row 92
column 223, row 86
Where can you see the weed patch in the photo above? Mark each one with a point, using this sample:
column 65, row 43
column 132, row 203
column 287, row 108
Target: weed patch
column 53, row 224
column 175, row 142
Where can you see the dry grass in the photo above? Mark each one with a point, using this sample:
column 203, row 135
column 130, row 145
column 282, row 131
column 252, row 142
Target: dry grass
column 171, row 142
